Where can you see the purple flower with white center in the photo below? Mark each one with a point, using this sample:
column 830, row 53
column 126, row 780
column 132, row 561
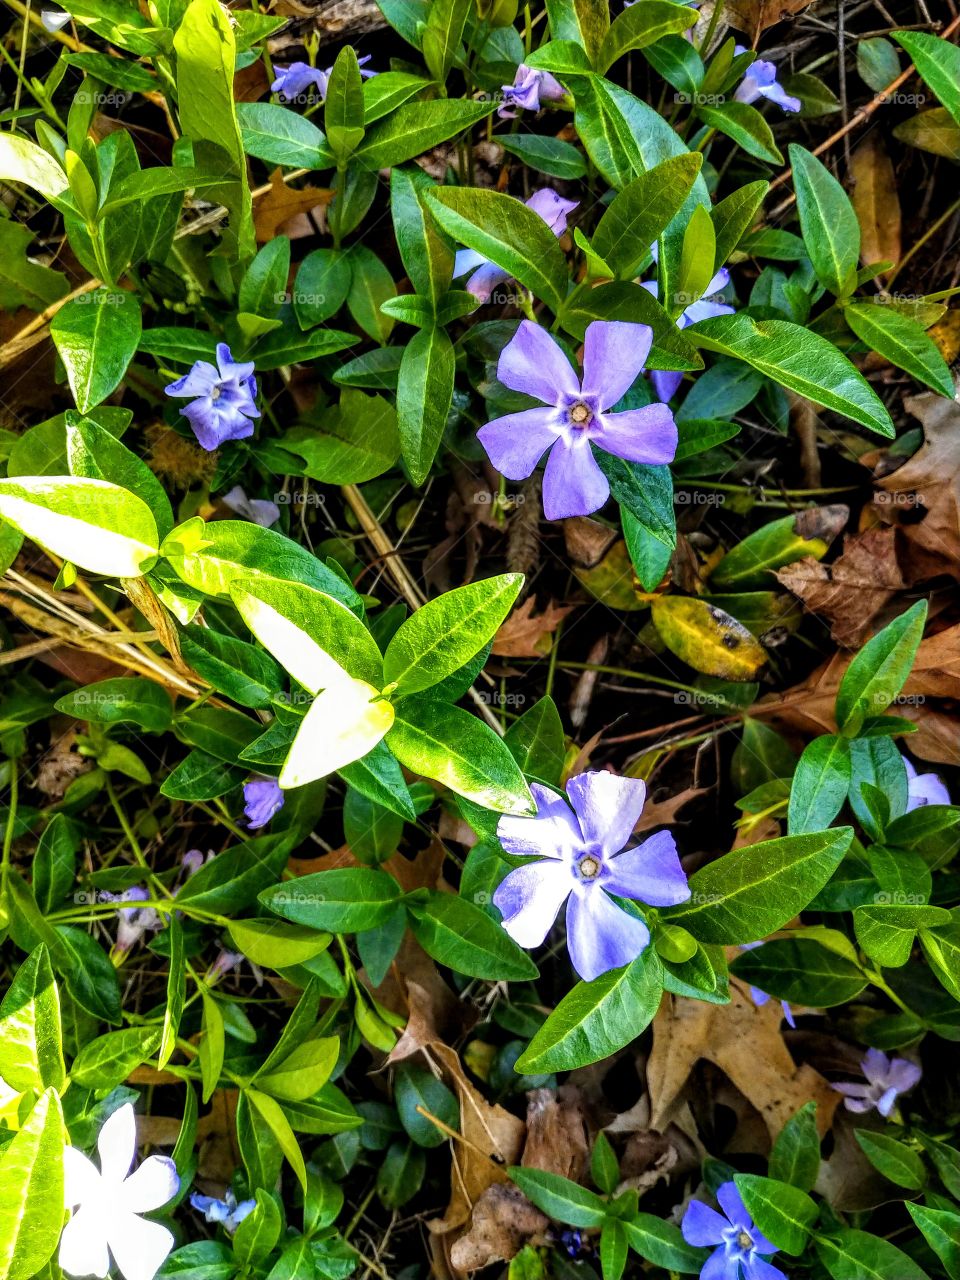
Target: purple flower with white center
column 579, row 860
column 134, row 922
column 293, row 81
column 259, row 511
column 666, row 381
column 742, row 1252
column 550, row 206
column 887, row 1078
column 263, row 800
column 222, row 399
column 227, row 1212
column 760, row 81
column 530, row 89
column 576, row 414
column 924, row 788
column 760, row 998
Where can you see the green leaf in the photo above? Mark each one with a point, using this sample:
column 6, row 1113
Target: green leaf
column 417, row 1089
column 31, row 1207
column 819, row 785
column 801, row 971
column 275, row 944
column 663, row 1244
column 231, row 881
column 887, row 930
column 96, row 336
column 464, row 938
column 784, row 1214
column 121, row 700
column 745, row 125
column 289, row 345
column 258, row 1233
column 559, row 1198
column 941, row 946
column 547, row 155
column 442, row 34
column 734, row 216
column 424, row 396
column 383, row 93
column 346, row 900
column 596, row 1019
column 941, row 1230
column 895, row 1160
column 938, row 62
column 21, row 160
column 92, row 523
column 104, row 1063
column 31, row 1052
column 379, row 777
column 502, row 229
column 427, row 258
column 416, row 127
column 828, row 222
column 752, row 892
column 640, row 212
column 176, row 993
column 640, row 26
column 858, row 1255
column 303, row 1071
column 584, row 23
column 95, row 453
column 613, row 1249
column 321, row 287
column 901, row 341
column 536, row 741
column 273, row 1114
column 796, row 358
column 795, row 1157
column 877, row 673
column 604, row 1165
column 751, row 564
column 343, row 106
column 456, row 749
column 445, row 633
column 371, row 285
column 357, row 440
column 240, row 670
column 280, row 136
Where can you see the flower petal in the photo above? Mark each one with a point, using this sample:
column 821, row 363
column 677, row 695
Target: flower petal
column 200, row 381
column 485, row 280
column 600, row 935
column 646, row 435
column 875, row 1065
column 776, row 93
column 705, row 309
column 517, row 442
column 83, row 1245
column 903, row 1074
column 573, row 484
column 117, row 1144
column 731, row 1202
column 702, row 1225
column 529, row 899
column 757, row 1268
column 613, row 355
column 650, row 873
column 139, row 1247
column 467, row 260
column 608, row 806
column 532, row 362
column 721, row 1266
column 553, row 833
column 80, row 1177
column 152, row 1185
column 665, row 383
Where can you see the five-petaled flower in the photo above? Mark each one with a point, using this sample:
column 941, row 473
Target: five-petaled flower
column 107, row 1203
column 742, row 1252
column 550, row 206
column 530, row 89
column 576, row 414
column 760, row 81
column 579, row 859
column 924, row 788
column 887, row 1078
column 296, row 79
column 222, row 399
column 228, row 1211
column 263, row 799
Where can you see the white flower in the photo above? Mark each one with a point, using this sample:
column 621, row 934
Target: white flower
column 106, row 1205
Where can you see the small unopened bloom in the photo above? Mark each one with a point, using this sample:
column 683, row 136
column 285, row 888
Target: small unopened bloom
column 133, row 921
column 742, row 1252
column 227, row 1212
column 530, row 90
column 550, row 206
column 760, row 998
column 107, row 1203
column 263, row 799
column 260, row 511
column 576, row 414
column 222, row 399
column 581, row 863
column 760, row 81
column 887, row 1078
column 296, row 79
column 924, row 788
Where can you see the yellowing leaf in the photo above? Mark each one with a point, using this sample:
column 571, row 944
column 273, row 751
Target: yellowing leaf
column 708, row 639
column 343, row 724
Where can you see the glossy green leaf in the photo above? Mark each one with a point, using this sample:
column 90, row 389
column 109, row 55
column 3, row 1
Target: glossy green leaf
column 828, row 222
column 31, row 1207
column 877, row 673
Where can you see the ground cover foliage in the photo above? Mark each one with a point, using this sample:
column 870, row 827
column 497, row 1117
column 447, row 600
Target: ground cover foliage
column 480, row 541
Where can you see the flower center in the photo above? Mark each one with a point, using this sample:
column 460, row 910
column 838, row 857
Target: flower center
column 580, row 414
column 744, row 1239
column 589, row 867
column 216, row 392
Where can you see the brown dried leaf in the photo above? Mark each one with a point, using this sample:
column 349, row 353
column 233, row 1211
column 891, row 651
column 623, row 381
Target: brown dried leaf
column 754, row 16
column 875, row 200
column 285, row 208
column 504, row 1221
column 526, row 634
column 558, row 1137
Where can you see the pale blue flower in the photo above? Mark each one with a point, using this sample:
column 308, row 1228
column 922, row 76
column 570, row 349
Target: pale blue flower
column 227, row 1212
column 924, row 788
column 886, row 1077
column 222, row 399
column 741, row 1251
column 760, row 81
column 530, row 90
column 263, row 799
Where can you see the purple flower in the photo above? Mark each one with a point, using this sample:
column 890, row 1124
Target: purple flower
column 666, row 381
column 924, row 788
column 530, row 89
column 550, row 206
column 760, row 998
column 133, row 922
column 579, row 861
column 760, row 81
column 741, row 1251
column 222, row 404
column 886, row 1078
column 296, row 79
column 226, row 1211
column 576, row 414
column 262, row 800
column 260, row 511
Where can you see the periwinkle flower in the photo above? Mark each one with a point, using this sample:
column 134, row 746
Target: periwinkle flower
column 227, row 1212
column 666, row 381
column 550, row 206
column 760, row 81
column 580, row 862
column 576, row 414
column 887, row 1078
column 259, row 511
column 760, row 998
column 133, row 921
column 530, row 90
column 742, row 1252
column 263, row 800
column 293, row 81
column 222, row 399
column 924, row 788
column 107, row 1203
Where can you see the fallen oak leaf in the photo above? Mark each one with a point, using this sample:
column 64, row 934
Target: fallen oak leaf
column 526, row 634
column 754, row 16
column 284, row 204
